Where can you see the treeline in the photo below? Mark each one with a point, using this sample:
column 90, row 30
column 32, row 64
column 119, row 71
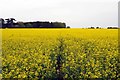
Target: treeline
column 112, row 27
column 9, row 23
column 102, row 28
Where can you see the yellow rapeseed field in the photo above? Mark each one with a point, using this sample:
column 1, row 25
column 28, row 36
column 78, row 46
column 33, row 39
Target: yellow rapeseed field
column 60, row 53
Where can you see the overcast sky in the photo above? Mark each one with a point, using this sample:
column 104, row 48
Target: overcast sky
column 75, row 13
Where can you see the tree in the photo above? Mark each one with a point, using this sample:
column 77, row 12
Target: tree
column 20, row 24
column 2, row 22
column 68, row 26
column 91, row 28
column 7, row 22
column 59, row 25
column 28, row 25
column 112, row 27
column 10, row 22
column 97, row 27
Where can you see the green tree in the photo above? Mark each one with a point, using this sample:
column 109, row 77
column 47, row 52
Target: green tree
column 59, row 25
column 21, row 24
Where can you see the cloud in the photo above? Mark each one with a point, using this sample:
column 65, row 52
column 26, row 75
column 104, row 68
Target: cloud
column 74, row 12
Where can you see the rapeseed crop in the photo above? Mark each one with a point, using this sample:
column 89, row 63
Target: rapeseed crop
column 60, row 53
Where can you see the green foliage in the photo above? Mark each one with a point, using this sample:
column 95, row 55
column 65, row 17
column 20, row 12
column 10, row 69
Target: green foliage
column 59, row 25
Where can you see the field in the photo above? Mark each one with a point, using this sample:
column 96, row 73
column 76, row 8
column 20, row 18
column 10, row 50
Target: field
column 60, row 53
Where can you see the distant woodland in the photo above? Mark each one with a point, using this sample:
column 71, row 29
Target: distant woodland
column 11, row 23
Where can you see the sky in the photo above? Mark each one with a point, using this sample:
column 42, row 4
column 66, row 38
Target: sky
column 75, row 13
